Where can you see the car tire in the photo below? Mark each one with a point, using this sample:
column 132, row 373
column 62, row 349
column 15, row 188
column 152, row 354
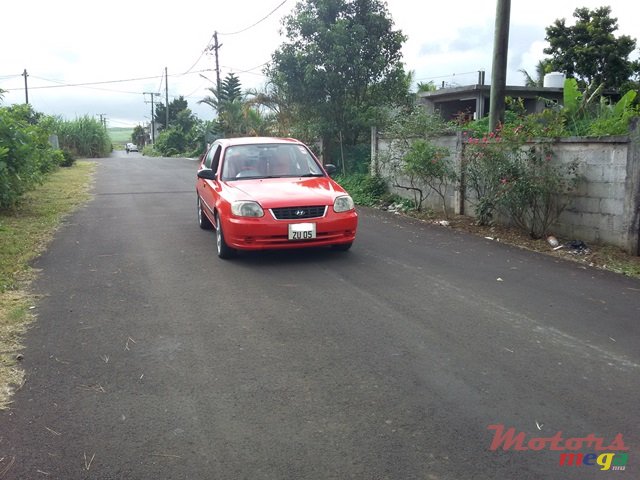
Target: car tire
column 224, row 251
column 342, row 247
column 203, row 220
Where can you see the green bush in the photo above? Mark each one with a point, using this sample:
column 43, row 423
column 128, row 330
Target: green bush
column 25, row 154
column 504, row 176
column 429, row 165
column 150, row 151
column 585, row 113
column 364, row 189
column 68, row 158
column 357, row 158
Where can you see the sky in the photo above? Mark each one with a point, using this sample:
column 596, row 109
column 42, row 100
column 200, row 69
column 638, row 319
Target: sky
column 97, row 59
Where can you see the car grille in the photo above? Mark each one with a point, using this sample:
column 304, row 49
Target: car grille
column 298, row 213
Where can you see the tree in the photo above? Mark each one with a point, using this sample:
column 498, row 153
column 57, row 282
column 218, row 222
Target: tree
column 176, row 106
column 238, row 114
column 138, row 136
column 589, row 51
column 230, row 91
column 277, row 110
column 542, row 68
column 182, row 136
column 341, row 61
column 426, row 87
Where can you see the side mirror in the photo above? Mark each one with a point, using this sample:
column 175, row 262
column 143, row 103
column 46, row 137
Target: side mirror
column 330, row 168
column 207, row 174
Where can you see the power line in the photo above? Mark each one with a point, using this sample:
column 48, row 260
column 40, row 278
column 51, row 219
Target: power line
column 445, row 76
column 92, row 83
column 192, row 93
column 236, row 70
column 204, row 50
column 249, row 70
column 161, row 78
column 104, row 82
column 62, row 84
column 258, row 22
column 207, row 47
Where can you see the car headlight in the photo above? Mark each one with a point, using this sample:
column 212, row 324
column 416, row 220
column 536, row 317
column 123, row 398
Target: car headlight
column 246, row 208
column 343, row 203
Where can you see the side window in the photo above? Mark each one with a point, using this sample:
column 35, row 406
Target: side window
column 210, row 154
column 216, row 159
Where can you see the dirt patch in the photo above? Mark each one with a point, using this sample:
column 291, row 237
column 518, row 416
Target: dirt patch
column 599, row 256
column 15, row 316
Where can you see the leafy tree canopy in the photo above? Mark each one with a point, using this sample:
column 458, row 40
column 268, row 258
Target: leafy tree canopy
column 589, row 50
column 238, row 114
column 176, row 106
column 138, row 136
column 426, row 87
column 230, row 89
column 230, row 92
column 341, row 61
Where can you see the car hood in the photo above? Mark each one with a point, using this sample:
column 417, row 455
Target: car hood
column 281, row 192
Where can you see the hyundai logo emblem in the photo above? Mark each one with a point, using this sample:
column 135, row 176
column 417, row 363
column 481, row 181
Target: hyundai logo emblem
column 300, row 213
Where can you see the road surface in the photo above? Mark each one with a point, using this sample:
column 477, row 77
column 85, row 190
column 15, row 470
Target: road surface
column 153, row 359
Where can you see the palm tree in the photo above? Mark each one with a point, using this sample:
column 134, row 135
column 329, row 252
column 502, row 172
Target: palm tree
column 273, row 99
column 426, row 87
column 542, row 68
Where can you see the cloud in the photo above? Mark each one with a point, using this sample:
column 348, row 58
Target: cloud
column 70, row 42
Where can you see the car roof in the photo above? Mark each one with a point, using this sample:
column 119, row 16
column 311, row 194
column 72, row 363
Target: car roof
column 227, row 142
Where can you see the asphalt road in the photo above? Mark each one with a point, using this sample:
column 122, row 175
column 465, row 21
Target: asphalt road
column 153, row 359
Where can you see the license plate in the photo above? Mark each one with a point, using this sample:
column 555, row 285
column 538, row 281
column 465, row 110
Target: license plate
column 302, row 231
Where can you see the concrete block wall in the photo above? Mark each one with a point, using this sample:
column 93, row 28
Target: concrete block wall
column 604, row 209
column 433, row 201
column 595, row 211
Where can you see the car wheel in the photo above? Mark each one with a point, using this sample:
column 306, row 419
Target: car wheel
column 224, row 251
column 342, row 247
column 203, row 220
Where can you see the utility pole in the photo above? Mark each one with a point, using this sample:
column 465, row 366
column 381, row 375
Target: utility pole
column 499, row 68
column 103, row 119
column 215, row 47
column 166, row 95
column 26, row 89
column 153, row 123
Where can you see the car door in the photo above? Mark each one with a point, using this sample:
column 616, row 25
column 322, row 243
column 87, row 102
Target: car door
column 207, row 188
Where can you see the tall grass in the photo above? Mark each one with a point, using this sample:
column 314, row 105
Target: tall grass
column 83, row 137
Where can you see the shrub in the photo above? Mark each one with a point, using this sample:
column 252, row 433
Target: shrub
column 25, row 153
column 519, row 181
column 364, row 189
column 429, row 164
column 68, row 158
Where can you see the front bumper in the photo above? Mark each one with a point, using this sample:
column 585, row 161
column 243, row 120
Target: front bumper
column 244, row 233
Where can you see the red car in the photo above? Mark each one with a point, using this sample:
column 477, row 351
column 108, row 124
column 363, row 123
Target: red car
column 271, row 193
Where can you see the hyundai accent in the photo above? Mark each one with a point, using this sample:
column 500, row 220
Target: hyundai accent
column 262, row 193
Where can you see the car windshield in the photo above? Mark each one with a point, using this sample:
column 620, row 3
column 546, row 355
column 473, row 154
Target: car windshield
column 269, row 161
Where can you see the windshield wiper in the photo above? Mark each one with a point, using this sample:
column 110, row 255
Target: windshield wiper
column 313, row 175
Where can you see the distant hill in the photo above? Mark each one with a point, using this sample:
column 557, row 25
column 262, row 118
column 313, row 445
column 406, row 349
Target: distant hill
column 120, row 135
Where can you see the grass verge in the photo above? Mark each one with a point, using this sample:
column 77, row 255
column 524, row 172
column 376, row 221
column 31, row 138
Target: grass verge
column 24, row 233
